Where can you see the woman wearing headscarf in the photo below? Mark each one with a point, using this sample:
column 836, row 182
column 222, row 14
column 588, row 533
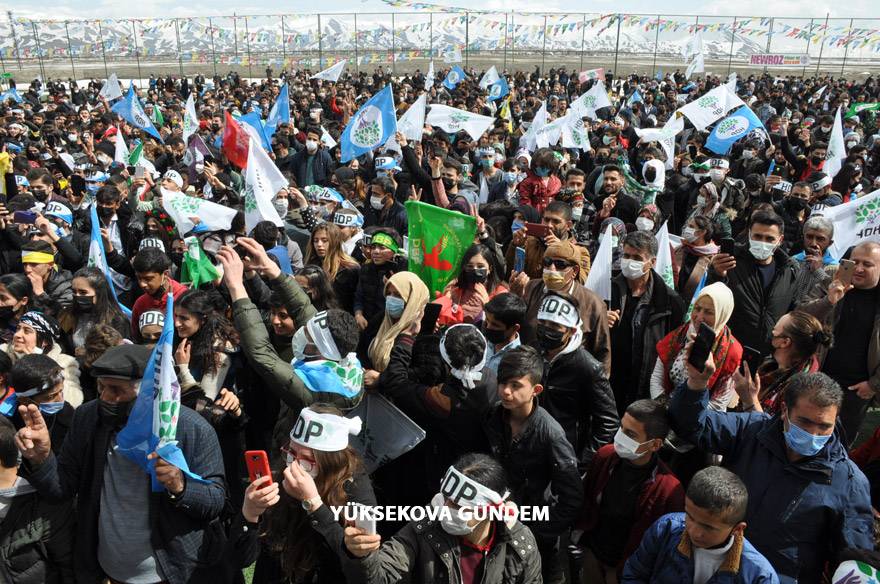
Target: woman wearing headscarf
column 649, row 219
column 405, row 298
column 618, row 232
column 690, row 261
column 709, row 205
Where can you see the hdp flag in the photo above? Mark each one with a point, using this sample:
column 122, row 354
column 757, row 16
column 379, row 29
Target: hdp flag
column 253, row 120
column 664, row 256
column 131, row 110
column 190, row 118
column 856, row 108
column 733, row 128
column 280, row 112
column 635, row 97
column 371, row 126
column 599, row 278
column 152, row 425
column 196, row 269
column 454, row 77
column 12, row 94
column 98, row 259
column 499, row 89
column 438, row 239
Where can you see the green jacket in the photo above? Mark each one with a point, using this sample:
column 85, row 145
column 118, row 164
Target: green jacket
column 426, row 553
column 275, row 371
column 36, row 541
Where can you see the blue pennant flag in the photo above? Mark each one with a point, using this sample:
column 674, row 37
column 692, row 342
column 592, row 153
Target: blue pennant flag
column 280, row 112
column 499, row 89
column 688, row 87
column 659, row 75
column 636, row 97
column 98, row 259
column 152, row 425
column 454, row 77
column 733, row 128
column 253, row 119
column 370, row 127
column 11, row 93
column 130, row 109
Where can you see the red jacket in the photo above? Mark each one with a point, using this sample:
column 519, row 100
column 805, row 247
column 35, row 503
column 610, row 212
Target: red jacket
column 146, row 302
column 868, row 452
column 661, row 494
column 532, row 191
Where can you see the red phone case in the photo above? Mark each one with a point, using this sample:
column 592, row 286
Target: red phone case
column 538, row 230
column 258, row 465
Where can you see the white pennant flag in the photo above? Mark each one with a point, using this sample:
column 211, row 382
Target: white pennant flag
column 818, row 95
column 664, row 136
column 711, row 107
column 452, row 55
column 190, row 118
column 836, row 153
column 731, row 82
column 530, row 138
column 489, row 77
column 453, row 120
column 121, row 153
column 698, row 65
column 326, row 139
column 429, row 77
column 412, row 123
column 664, row 256
column 587, row 104
column 187, row 212
column 693, row 46
column 331, row 73
column 111, row 90
column 262, row 181
column 599, row 278
column 574, row 132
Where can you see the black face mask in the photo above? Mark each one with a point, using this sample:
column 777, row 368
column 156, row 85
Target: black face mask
column 176, row 257
column 105, row 212
column 160, row 291
column 448, row 183
column 494, row 336
column 215, row 127
column 6, row 312
column 549, row 339
column 816, row 160
column 115, row 414
column 795, row 204
column 475, row 276
column 84, row 303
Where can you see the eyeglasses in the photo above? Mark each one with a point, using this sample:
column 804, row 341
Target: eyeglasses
column 557, row 263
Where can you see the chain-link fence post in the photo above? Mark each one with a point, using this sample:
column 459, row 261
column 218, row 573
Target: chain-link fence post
column 656, row 44
column 730, row 51
column 846, row 47
column 103, row 50
column 320, row 47
column 769, row 39
column 807, row 49
column 544, row 46
column 583, row 38
column 70, row 51
column 39, row 49
column 247, row 41
column 467, row 40
column 357, row 59
column 213, row 50
column 822, row 44
column 179, row 53
column 506, row 37
column 617, row 43
column 14, row 38
column 393, row 46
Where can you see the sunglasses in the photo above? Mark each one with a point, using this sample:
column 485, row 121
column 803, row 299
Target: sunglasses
column 559, row 264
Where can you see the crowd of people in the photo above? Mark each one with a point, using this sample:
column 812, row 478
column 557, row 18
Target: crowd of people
column 657, row 463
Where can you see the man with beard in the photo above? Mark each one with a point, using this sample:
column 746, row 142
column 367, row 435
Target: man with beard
column 614, row 201
column 816, row 264
column 557, row 216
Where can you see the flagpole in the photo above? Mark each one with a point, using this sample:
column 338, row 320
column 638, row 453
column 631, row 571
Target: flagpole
column 544, row 46
column 846, row 47
column 103, row 51
column 39, row 49
column 730, row 52
column 822, row 45
column 137, row 54
column 69, row 51
column 357, row 60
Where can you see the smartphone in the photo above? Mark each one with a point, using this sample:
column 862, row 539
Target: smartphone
column 753, row 357
column 24, row 217
column 139, row 171
column 538, row 230
column 257, row 465
column 429, row 318
column 129, row 170
column 520, row 262
column 844, row 271
column 77, row 184
column 728, row 246
column 367, row 524
column 702, row 346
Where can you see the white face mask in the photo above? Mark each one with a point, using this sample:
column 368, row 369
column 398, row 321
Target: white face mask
column 748, row 154
column 761, row 250
column 689, row 234
column 632, row 269
column 453, row 524
column 298, row 343
column 377, row 202
column 281, row 206
column 311, row 145
column 576, row 213
column 644, row 224
column 701, row 201
column 687, row 171
column 626, row 447
column 717, row 175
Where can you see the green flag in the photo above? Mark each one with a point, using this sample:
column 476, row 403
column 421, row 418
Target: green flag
column 196, row 268
column 157, row 118
column 5, row 75
column 438, row 239
column 857, row 108
column 136, row 154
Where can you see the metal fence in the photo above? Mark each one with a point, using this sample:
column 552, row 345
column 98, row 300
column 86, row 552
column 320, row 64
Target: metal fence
column 404, row 41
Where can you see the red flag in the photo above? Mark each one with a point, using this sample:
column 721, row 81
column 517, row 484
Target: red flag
column 235, row 142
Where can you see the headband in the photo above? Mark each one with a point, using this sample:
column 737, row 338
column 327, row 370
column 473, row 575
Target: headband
column 821, row 183
column 719, row 163
column 559, row 310
column 466, row 492
column 37, row 257
column 385, row 240
column 467, row 375
column 56, row 209
column 151, row 317
column 151, row 242
column 324, row 432
column 40, row 323
column 47, row 384
column 320, row 333
column 348, row 219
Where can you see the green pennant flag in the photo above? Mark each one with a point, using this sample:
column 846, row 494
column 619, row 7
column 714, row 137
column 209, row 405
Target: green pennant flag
column 196, row 269
column 644, row 193
column 136, row 154
column 157, row 118
column 438, row 239
column 856, row 108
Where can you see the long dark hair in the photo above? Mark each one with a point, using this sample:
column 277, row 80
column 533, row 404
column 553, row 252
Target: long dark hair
column 325, row 296
column 19, row 287
column 214, row 332
column 106, row 308
column 478, row 249
column 287, row 530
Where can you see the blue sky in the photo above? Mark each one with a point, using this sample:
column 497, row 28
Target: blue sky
column 160, row 8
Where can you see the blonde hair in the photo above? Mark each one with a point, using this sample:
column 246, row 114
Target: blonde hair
column 335, row 258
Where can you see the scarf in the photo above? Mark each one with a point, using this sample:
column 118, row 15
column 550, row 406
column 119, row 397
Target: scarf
column 415, row 295
column 774, row 381
column 345, row 378
column 726, row 352
column 700, row 250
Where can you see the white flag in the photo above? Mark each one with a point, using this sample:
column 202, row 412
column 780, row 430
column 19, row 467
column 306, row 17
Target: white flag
column 664, row 256
column 187, row 212
column 731, row 82
column 698, row 65
column 489, row 77
column 530, row 138
column 190, row 118
column 331, row 73
column 412, row 123
column 452, row 55
column 599, row 278
column 121, row 153
column 453, row 120
column 574, row 132
column 326, row 139
column 854, row 222
column 836, row 153
column 429, row 77
column 262, row 182
column 587, row 104
column 693, row 46
column 111, row 89
column 816, row 96
column 711, row 107
column 664, row 136
column 484, row 189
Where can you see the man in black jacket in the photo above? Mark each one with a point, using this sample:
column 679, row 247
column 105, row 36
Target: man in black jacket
column 124, row 530
column 763, row 279
column 577, row 393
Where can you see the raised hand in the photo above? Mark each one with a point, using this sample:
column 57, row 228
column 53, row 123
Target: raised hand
column 33, row 440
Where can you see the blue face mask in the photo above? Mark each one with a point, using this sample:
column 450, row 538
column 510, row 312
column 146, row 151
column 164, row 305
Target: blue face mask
column 517, row 225
column 487, row 162
column 93, row 187
column 542, row 172
column 51, row 408
column 394, row 306
column 510, row 177
column 803, row 442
